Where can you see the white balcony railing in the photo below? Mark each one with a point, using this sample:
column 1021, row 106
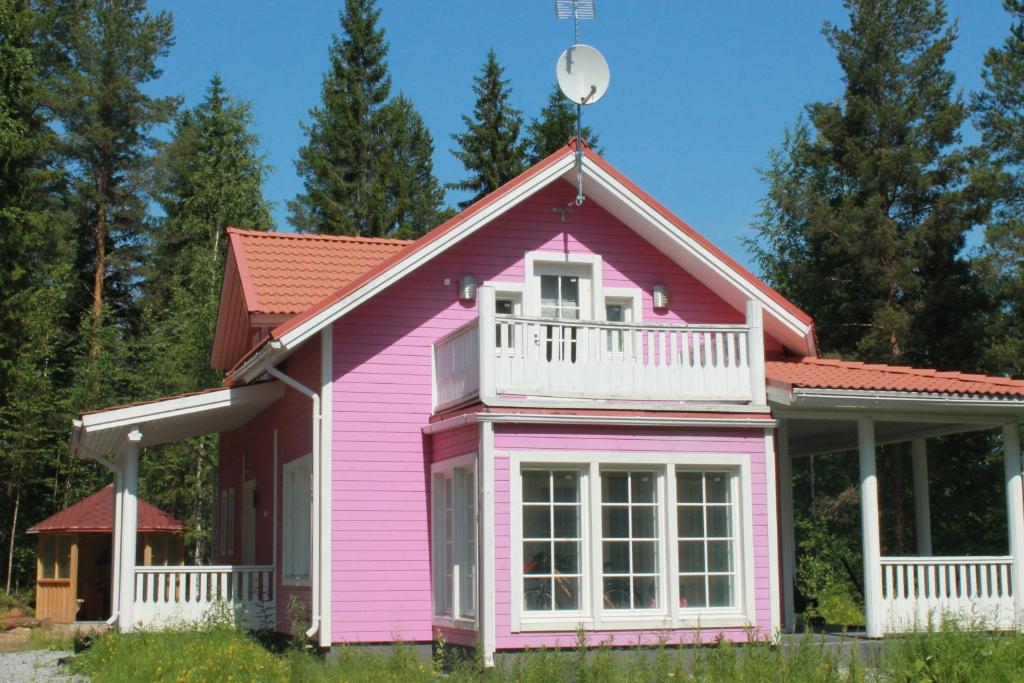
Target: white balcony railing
column 918, row 591
column 168, row 596
column 545, row 358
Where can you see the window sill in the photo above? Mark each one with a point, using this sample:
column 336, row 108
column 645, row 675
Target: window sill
column 688, row 619
column 461, row 623
column 296, row 581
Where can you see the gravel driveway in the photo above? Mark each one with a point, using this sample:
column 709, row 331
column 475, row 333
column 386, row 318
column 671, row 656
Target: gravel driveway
column 35, row 665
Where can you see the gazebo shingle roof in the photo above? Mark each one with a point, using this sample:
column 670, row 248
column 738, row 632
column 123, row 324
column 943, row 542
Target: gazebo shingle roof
column 95, row 514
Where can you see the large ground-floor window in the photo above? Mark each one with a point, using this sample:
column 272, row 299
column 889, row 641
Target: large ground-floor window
column 620, row 541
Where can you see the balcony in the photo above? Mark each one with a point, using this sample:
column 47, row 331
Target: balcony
column 539, row 359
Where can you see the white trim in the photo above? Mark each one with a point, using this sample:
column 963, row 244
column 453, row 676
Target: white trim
column 526, row 418
column 633, row 295
column 326, row 481
column 540, row 260
column 771, row 484
column 487, row 213
column 485, row 611
column 851, row 399
column 596, row 617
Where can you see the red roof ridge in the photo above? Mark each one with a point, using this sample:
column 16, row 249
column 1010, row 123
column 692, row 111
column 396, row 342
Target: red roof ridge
column 276, row 234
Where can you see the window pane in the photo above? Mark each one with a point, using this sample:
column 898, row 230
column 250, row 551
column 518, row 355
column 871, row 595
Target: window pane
column 719, row 591
column 536, row 522
column 645, row 592
column 567, row 593
column 718, row 522
column 720, row 556
column 567, row 558
column 48, row 555
column 691, row 556
column 567, row 522
column 537, row 558
column 570, row 291
column 614, row 313
column 645, row 557
column 691, row 591
column 616, row 557
column 549, row 296
column 616, row 593
column 536, row 487
column 719, row 490
column 537, row 594
column 615, row 487
column 689, row 488
column 644, row 525
column 643, row 487
column 503, row 306
column 615, row 522
column 567, row 487
column 691, row 521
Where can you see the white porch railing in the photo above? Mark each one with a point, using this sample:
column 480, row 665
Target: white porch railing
column 917, row 591
column 166, row 596
column 540, row 357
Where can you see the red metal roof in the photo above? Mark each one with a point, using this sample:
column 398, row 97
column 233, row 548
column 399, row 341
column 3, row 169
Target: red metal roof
column 95, row 514
column 286, row 273
column 823, row 373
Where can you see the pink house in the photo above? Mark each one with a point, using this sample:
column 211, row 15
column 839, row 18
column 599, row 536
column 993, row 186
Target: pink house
column 539, row 417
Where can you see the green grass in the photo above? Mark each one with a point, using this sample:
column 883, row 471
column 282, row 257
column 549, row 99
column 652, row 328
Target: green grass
column 218, row 653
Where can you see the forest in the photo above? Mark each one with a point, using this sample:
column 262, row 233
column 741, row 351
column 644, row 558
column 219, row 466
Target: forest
column 114, row 203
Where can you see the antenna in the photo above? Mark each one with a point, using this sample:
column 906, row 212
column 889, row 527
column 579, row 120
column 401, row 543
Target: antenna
column 583, row 77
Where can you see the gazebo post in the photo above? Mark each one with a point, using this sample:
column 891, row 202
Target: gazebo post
column 129, row 523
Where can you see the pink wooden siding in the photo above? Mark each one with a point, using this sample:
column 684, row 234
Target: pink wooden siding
column 382, row 398
column 509, row 438
column 254, row 442
column 455, row 442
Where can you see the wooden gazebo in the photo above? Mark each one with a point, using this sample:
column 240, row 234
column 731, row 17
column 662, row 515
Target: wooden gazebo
column 74, row 555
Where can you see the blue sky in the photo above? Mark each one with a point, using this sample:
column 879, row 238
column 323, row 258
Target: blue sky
column 700, row 89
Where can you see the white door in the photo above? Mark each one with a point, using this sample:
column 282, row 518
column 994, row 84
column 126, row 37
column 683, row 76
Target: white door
column 249, row 522
column 564, row 296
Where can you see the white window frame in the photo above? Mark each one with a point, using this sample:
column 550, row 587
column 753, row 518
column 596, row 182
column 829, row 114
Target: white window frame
column 446, row 469
column 564, row 263
column 631, row 298
column 289, row 547
column 668, row 615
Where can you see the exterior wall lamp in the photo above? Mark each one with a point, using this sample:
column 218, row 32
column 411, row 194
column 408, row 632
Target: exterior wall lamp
column 467, row 289
column 660, row 297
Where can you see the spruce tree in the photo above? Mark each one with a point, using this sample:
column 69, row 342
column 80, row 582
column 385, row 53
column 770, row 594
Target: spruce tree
column 490, row 149
column 34, row 273
column 999, row 115
column 868, row 200
column 555, row 126
column 348, row 166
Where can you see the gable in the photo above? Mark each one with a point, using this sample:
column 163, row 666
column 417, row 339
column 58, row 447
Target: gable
column 607, row 188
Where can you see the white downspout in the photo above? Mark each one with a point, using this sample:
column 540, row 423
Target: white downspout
column 115, row 540
column 314, row 550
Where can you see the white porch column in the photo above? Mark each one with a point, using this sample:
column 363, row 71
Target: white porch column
column 922, row 507
column 872, row 551
column 786, row 533
column 129, row 461
column 1015, row 516
column 485, row 602
column 486, row 335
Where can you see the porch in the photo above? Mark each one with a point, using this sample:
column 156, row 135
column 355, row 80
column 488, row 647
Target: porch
column 160, row 596
column 908, row 592
column 499, row 358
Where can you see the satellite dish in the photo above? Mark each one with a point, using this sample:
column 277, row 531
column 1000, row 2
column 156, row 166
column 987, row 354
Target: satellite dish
column 582, row 74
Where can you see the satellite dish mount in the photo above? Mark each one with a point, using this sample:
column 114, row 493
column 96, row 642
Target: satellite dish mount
column 583, row 77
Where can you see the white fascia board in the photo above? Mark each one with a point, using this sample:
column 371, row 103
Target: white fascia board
column 624, row 420
column 177, row 407
column 852, row 399
column 631, row 201
column 488, row 213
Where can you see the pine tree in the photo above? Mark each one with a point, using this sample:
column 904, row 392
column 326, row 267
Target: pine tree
column 490, row 149
column 999, row 115
column 34, row 271
column 555, row 126
column 868, row 199
column 111, row 49
column 349, row 166
column 210, row 176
